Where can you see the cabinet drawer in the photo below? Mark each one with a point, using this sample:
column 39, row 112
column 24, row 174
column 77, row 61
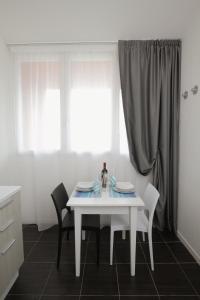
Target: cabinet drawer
column 10, row 223
column 8, row 212
column 10, row 233
column 11, row 243
column 11, row 256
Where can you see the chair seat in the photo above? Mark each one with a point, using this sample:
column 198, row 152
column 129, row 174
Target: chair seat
column 121, row 222
column 89, row 222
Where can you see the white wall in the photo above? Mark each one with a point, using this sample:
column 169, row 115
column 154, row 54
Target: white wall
column 93, row 20
column 189, row 186
column 4, row 108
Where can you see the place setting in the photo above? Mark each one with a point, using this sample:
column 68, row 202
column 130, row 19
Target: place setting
column 116, row 189
column 88, row 189
column 121, row 189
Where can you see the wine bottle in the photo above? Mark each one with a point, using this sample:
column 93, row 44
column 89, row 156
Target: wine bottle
column 104, row 175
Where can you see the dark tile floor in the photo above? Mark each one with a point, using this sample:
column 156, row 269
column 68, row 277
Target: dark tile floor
column 176, row 275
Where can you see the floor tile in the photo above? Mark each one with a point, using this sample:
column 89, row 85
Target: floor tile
column 64, row 281
column 193, row 273
column 180, row 252
column 182, row 297
column 99, row 280
column 31, row 233
column 22, row 297
column 104, row 253
column 170, row 280
column 118, row 236
column 68, row 252
column 156, row 236
column 39, row 275
column 27, row 248
column 122, row 253
column 50, row 235
column 32, row 277
column 99, row 297
column 169, row 236
column 140, row 284
column 139, row 297
column 161, row 253
column 60, row 297
column 104, row 235
column 43, row 252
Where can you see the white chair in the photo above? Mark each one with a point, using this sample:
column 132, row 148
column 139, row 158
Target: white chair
column 144, row 221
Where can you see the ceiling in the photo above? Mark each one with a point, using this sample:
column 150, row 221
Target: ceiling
column 26, row 21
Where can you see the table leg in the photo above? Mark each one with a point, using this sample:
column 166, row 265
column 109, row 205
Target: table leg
column 77, row 221
column 133, row 228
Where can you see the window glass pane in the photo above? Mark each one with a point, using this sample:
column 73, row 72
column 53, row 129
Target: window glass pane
column 90, row 120
column 90, row 106
column 50, row 135
column 39, row 106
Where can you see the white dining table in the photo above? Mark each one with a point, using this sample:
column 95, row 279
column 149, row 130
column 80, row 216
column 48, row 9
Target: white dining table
column 105, row 204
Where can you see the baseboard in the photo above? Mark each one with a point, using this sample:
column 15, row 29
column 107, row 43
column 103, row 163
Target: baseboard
column 189, row 247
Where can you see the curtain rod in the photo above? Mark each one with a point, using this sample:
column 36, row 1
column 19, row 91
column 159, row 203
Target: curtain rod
column 62, row 43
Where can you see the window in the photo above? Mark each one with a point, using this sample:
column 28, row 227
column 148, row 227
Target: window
column 70, row 99
column 90, row 120
column 39, row 106
column 91, row 103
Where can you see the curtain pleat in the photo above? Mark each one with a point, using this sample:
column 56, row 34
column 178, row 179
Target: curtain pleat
column 150, row 83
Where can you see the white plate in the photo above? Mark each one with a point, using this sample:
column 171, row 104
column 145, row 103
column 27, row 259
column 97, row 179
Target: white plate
column 83, row 190
column 85, row 184
column 123, row 191
column 124, row 186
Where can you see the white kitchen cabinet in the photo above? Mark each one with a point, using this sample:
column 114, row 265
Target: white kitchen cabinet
column 11, row 242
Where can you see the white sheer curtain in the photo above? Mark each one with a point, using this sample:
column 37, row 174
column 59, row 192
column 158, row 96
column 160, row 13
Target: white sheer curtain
column 69, row 120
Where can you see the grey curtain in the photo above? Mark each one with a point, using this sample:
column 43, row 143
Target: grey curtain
column 150, row 84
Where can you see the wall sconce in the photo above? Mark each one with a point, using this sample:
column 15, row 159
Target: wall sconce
column 185, row 95
column 195, row 89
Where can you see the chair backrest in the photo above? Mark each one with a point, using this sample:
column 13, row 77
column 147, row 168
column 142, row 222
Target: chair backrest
column 151, row 196
column 60, row 198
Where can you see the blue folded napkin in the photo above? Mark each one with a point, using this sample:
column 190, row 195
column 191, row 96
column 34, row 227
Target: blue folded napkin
column 97, row 186
column 112, row 180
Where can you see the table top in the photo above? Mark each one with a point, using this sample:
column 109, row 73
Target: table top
column 105, row 199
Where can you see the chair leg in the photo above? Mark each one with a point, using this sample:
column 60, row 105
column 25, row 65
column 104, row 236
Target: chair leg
column 83, row 235
column 59, row 248
column 111, row 246
column 151, row 248
column 143, row 236
column 98, row 244
column 123, row 234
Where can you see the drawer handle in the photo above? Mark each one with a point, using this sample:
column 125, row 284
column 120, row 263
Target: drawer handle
column 4, row 227
column 8, row 247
